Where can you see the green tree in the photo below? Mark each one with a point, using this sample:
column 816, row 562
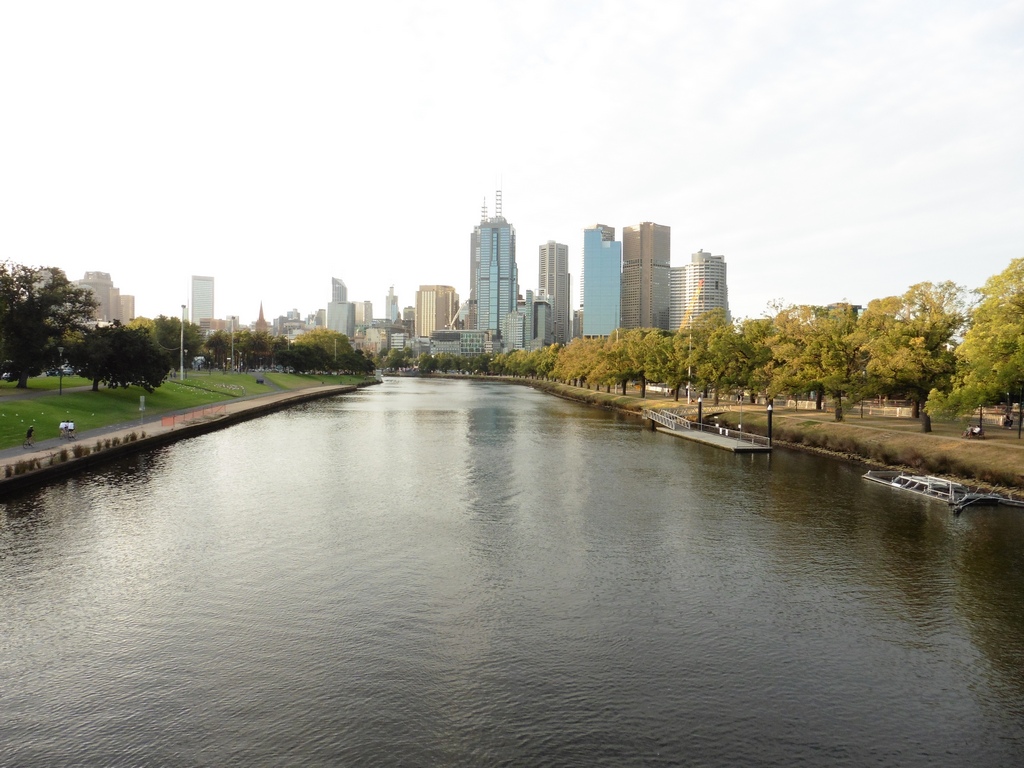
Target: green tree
column 910, row 341
column 120, row 356
column 217, row 347
column 426, row 363
column 991, row 357
column 755, row 361
column 818, row 349
column 167, row 332
column 711, row 356
column 38, row 309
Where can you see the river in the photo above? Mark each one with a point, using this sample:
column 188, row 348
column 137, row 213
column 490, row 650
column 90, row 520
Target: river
column 436, row 572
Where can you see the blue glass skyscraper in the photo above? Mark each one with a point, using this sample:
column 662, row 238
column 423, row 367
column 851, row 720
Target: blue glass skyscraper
column 497, row 277
column 602, row 275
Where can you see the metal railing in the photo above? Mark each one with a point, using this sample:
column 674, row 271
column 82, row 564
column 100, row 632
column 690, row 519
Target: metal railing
column 678, row 423
column 209, row 412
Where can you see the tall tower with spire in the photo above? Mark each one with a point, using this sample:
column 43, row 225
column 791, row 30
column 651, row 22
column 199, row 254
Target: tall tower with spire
column 496, row 282
column 261, row 321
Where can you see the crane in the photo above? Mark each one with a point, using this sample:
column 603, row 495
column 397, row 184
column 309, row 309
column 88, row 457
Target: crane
column 692, row 304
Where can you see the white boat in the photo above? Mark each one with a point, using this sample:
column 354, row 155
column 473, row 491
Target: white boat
column 956, row 495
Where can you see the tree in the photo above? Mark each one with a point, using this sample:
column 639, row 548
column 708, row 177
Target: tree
column 756, row 363
column 38, row 309
column 818, row 349
column 991, row 357
column 167, row 332
column 218, row 346
column 712, row 355
column 120, row 356
column 909, row 340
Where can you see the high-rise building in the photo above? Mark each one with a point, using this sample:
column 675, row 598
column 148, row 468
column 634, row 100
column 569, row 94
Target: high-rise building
column 497, row 277
column 364, row 312
column 553, row 284
column 108, row 298
column 646, row 260
column 602, row 281
column 391, row 311
column 202, row 298
column 437, row 309
column 339, row 291
column 698, row 287
column 341, row 313
column 127, row 308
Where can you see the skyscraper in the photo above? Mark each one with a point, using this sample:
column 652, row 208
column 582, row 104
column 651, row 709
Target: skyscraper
column 497, row 279
column 437, row 309
column 391, row 312
column 341, row 313
column 646, row 261
column 202, row 299
column 364, row 312
column 108, row 298
column 602, row 281
column 339, row 291
column 698, row 287
column 553, row 285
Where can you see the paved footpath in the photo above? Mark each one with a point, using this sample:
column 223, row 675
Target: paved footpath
column 42, row 449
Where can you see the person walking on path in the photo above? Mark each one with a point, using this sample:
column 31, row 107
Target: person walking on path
column 28, row 437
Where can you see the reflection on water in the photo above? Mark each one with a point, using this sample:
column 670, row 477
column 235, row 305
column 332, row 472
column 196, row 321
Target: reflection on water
column 437, row 572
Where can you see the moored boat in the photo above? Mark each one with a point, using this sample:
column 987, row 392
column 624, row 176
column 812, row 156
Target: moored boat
column 957, row 495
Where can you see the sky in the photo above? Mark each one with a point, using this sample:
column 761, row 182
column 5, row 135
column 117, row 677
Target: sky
column 829, row 150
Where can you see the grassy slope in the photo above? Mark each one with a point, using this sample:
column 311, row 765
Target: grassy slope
column 89, row 410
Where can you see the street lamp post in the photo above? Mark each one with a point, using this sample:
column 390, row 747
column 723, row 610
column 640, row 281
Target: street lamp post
column 232, row 358
column 181, row 346
column 60, row 371
column 769, row 424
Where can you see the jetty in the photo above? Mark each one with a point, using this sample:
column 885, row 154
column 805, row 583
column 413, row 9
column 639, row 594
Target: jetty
column 679, row 425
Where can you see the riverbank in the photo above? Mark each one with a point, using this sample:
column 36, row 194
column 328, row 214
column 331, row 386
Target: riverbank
column 995, row 463
column 50, row 459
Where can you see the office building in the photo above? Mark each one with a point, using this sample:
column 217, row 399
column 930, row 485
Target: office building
column 602, row 281
column 497, row 276
column 698, row 287
column 364, row 313
column 108, row 298
column 341, row 313
column 127, row 308
column 553, row 285
column 202, row 298
column 437, row 308
column 391, row 311
column 645, row 299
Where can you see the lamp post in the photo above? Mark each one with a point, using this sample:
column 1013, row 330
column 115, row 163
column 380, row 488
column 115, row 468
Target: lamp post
column 231, row 359
column 769, row 424
column 181, row 346
column 863, row 392
column 60, row 371
column 700, row 413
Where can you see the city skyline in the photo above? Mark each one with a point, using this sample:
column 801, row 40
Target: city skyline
column 876, row 146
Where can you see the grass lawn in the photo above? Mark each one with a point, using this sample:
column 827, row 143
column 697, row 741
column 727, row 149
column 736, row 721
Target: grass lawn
column 45, row 408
